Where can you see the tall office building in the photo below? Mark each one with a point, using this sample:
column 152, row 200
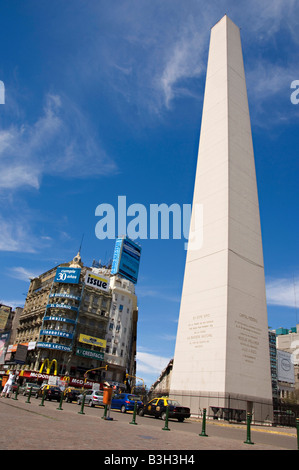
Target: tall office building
column 221, row 356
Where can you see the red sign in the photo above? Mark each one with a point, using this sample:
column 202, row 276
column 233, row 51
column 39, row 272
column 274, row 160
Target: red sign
column 74, row 382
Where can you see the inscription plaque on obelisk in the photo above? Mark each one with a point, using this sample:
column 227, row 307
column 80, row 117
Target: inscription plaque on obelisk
column 221, row 356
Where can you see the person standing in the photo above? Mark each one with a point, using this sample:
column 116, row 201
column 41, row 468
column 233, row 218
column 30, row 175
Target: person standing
column 8, row 386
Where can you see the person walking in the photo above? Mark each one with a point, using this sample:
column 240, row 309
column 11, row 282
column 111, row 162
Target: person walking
column 8, row 386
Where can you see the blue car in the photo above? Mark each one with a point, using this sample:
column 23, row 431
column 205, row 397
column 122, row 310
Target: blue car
column 125, row 402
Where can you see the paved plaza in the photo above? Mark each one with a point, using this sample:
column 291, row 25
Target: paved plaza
column 29, row 426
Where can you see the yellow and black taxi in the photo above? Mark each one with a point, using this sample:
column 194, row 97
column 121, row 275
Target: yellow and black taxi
column 157, row 408
column 71, row 394
column 51, row 392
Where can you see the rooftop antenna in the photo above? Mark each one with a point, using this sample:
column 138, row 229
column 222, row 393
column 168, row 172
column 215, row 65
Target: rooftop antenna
column 81, row 243
column 295, row 297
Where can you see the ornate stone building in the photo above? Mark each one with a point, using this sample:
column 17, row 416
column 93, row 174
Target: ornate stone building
column 80, row 318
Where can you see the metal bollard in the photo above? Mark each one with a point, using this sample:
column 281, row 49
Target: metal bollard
column 43, row 398
column 16, row 394
column 108, row 417
column 297, row 426
column 166, row 428
column 105, row 412
column 203, row 429
column 60, row 404
column 29, row 395
column 134, row 414
column 248, row 440
column 81, row 412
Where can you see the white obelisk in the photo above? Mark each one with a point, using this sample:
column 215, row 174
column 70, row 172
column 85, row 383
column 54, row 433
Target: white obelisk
column 221, row 356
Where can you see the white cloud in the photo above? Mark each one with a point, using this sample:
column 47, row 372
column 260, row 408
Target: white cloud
column 150, row 366
column 15, row 236
column 283, row 292
column 184, row 61
column 269, row 16
column 60, row 143
column 151, row 363
column 163, row 46
column 23, row 274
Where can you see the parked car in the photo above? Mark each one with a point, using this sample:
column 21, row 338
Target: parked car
column 125, row 402
column 28, row 385
column 157, row 408
column 51, row 392
column 71, row 394
column 92, row 398
column 16, row 387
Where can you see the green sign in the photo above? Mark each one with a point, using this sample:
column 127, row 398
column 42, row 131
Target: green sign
column 90, row 354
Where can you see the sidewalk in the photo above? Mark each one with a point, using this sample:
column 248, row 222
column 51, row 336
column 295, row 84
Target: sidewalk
column 29, row 426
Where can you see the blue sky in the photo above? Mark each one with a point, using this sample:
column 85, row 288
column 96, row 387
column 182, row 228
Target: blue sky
column 104, row 99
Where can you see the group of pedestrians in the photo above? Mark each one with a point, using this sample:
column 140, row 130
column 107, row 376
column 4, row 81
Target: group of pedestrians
column 8, row 385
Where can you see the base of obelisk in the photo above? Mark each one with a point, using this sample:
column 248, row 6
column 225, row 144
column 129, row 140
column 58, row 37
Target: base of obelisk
column 227, row 406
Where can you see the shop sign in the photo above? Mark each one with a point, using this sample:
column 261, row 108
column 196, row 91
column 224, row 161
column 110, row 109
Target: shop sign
column 21, row 354
column 65, row 296
column 57, row 346
column 90, row 354
column 62, row 319
column 62, row 334
column 68, row 307
column 92, row 340
column 97, row 280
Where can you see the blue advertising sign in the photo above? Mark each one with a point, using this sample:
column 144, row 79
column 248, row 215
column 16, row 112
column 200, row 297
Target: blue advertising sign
column 126, row 259
column 65, row 296
column 62, row 319
column 61, row 333
column 116, row 255
column 68, row 307
column 59, row 347
column 68, row 275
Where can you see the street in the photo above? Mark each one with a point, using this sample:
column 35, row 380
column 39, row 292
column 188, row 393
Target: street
column 30, row 426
